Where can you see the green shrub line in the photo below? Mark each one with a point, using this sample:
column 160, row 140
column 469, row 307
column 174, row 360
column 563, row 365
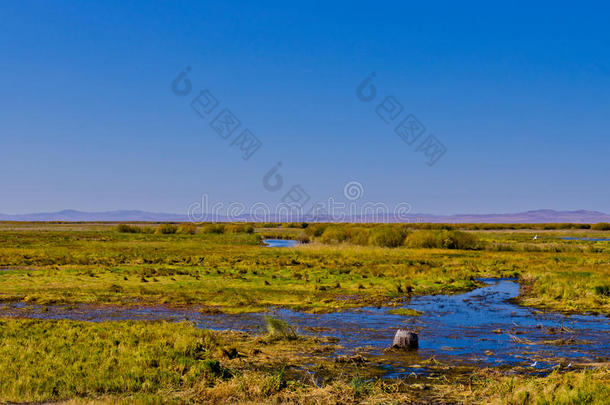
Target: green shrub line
column 392, row 236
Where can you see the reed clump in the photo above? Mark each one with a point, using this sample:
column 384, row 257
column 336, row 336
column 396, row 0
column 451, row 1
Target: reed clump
column 279, row 329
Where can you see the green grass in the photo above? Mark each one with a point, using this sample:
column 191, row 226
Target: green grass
column 88, row 263
column 579, row 387
column 157, row 362
column 50, row 360
column 230, row 271
column 405, row 312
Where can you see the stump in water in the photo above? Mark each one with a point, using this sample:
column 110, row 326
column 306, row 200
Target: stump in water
column 405, row 339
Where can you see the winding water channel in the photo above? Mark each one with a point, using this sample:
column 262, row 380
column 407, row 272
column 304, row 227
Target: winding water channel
column 480, row 327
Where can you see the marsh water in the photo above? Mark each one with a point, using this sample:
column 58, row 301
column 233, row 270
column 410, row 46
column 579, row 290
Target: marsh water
column 480, row 327
column 280, row 242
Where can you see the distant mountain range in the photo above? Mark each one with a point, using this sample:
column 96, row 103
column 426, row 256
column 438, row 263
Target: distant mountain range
column 537, row 216
column 105, row 216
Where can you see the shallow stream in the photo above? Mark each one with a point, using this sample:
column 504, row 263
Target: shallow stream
column 480, row 327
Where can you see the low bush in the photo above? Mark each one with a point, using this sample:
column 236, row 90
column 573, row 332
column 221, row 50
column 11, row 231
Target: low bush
column 442, row 240
column 423, row 239
column 125, row 228
column 359, row 235
column 333, row 235
column 601, row 226
column 388, row 236
column 302, row 239
column 213, row 228
column 239, row 228
column 301, row 225
column 316, row 230
column 187, row 229
column 166, row 229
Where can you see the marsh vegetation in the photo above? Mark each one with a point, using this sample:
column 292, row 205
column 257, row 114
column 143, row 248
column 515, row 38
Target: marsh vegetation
column 225, row 268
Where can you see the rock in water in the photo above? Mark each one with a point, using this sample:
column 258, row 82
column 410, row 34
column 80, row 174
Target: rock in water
column 405, row 339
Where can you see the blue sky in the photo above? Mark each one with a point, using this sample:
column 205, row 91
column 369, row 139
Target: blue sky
column 518, row 94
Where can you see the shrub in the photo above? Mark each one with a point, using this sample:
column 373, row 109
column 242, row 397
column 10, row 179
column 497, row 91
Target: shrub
column 359, row 236
column 333, row 234
column 423, row 239
column 165, row 229
column 388, row 236
column 301, row 225
column 601, row 226
column 461, row 240
column 316, row 230
column 302, row 239
column 213, row 228
column 124, row 228
column 239, row 228
column 187, row 229
column 442, row 240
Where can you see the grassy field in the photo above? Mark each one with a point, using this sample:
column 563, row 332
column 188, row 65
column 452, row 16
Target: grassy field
column 227, row 269
column 235, row 273
column 154, row 362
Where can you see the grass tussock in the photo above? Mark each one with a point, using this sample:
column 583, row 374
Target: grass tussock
column 279, row 329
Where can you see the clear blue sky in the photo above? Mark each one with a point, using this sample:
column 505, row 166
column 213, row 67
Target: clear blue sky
column 519, row 95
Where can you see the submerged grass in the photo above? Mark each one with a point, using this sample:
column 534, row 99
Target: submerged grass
column 405, row 312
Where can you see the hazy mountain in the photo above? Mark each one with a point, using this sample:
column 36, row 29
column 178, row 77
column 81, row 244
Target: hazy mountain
column 537, row 216
column 73, row 215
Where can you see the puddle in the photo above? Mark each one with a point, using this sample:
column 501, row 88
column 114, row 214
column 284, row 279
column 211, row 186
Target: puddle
column 476, row 328
column 280, row 242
